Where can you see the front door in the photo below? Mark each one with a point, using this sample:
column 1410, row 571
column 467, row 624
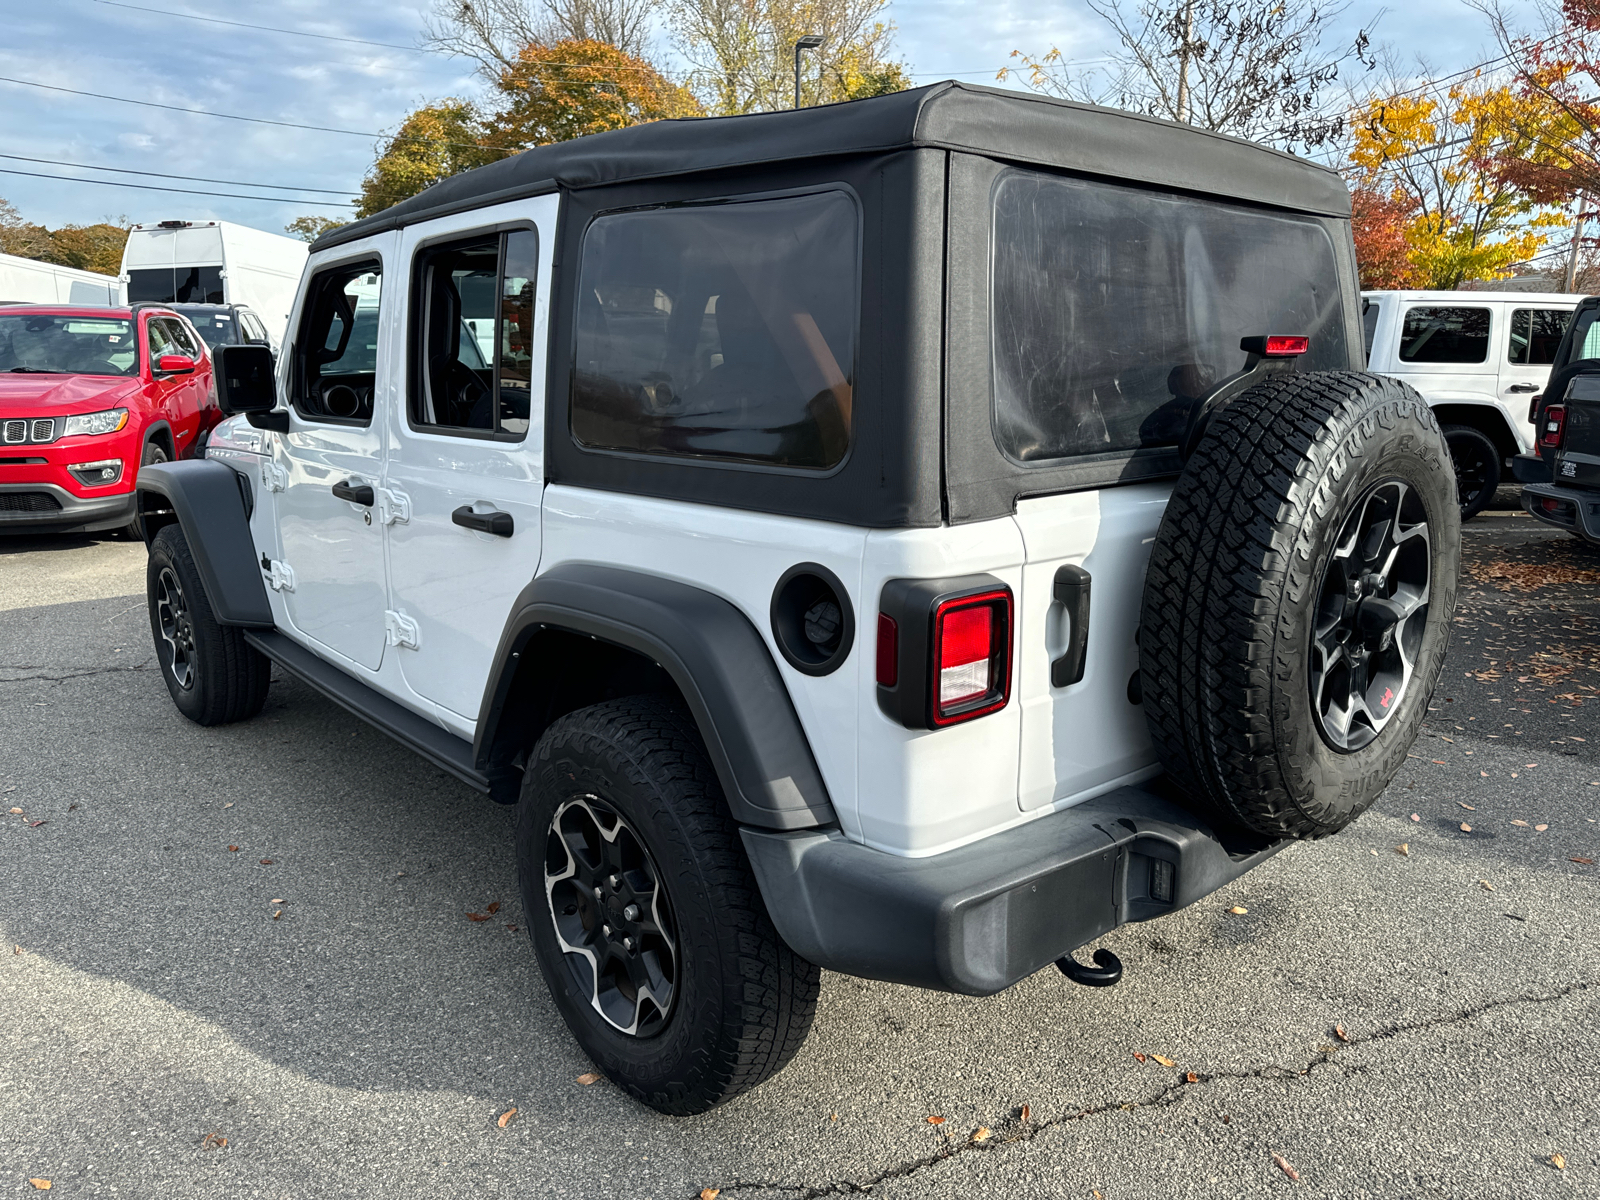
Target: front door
column 466, row 464
column 331, row 462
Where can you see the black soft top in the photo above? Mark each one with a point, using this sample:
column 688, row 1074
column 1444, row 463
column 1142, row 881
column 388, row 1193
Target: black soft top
column 1012, row 126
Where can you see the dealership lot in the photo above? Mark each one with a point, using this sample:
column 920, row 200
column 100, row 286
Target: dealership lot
column 261, row 933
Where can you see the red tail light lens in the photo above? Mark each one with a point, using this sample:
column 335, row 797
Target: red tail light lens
column 972, row 657
column 888, row 651
column 1282, row 346
column 1555, row 423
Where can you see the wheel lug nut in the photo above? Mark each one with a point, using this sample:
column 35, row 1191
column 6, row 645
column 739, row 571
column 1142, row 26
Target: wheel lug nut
column 606, row 929
column 615, row 883
column 627, row 943
column 631, row 913
column 598, row 893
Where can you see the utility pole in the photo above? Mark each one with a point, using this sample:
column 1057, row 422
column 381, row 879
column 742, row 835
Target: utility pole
column 1183, row 60
column 808, row 41
column 1571, row 280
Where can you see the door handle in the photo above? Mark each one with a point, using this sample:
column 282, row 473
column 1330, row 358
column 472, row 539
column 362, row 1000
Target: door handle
column 1072, row 590
column 498, row 523
column 1523, row 387
column 356, row 493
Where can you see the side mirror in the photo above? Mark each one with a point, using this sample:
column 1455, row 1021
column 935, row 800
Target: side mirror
column 246, row 379
column 175, row 364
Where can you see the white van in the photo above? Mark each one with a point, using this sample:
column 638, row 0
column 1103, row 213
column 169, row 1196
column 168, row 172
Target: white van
column 29, row 281
column 214, row 262
column 1479, row 358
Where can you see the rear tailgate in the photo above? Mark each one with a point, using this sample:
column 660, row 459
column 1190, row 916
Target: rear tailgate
column 1578, row 459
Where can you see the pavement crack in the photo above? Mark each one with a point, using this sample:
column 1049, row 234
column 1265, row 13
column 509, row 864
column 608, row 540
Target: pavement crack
column 75, row 674
column 1013, row 1130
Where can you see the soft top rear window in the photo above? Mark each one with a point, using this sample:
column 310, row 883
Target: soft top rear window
column 720, row 331
column 1112, row 308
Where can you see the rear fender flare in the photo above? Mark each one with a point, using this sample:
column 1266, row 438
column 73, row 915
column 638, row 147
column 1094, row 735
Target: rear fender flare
column 716, row 660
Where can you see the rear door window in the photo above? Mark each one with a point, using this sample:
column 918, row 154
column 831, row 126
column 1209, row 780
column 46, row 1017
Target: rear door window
column 1370, row 312
column 721, row 331
column 1535, row 334
column 1113, row 308
column 1445, row 335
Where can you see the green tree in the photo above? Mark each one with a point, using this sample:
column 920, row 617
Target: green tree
column 309, row 229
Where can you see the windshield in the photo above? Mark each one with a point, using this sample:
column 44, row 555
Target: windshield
column 35, row 342
column 217, row 328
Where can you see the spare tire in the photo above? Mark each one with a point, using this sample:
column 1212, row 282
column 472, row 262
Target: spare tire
column 1298, row 601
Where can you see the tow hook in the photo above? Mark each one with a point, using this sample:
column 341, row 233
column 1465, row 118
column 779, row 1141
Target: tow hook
column 1107, row 969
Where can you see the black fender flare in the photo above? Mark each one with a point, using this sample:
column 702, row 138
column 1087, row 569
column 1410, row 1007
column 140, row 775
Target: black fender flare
column 152, row 432
column 206, row 497
column 715, row 657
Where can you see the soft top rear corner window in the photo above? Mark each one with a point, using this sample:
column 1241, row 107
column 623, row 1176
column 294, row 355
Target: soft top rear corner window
column 720, row 332
column 1112, row 309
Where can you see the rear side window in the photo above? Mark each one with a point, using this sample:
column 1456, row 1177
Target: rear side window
column 720, row 331
column 1445, row 335
column 1370, row 312
column 1112, row 308
column 1535, row 334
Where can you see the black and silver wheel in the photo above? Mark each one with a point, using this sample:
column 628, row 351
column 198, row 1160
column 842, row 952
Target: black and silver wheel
column 212, row 674
column 1477, row 463
column 646, row 918
column 1298, row 601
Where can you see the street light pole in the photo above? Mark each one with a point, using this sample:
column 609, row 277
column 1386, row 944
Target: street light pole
column 808, row 41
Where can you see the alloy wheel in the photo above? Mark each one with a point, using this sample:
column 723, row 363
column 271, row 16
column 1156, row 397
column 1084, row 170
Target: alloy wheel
column 1473, row 468
column 1371, row 611
column 612, row 917
column 177, row 629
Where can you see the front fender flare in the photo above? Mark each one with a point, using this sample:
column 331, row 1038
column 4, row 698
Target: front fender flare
column 715, row 657
column 205, row 495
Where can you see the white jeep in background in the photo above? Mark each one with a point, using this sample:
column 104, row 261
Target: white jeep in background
column 911, row 537
column 1481, row 359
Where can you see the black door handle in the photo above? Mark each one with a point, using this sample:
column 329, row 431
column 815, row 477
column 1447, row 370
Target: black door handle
column 356, row 493
column 1523, row 387
column 498, row 523
column 1072, row 590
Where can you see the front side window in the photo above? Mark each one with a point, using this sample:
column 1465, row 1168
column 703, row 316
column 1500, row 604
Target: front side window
column 36, row 344
column 1535, row 334
column 475, row 332
column 336, row 354
column 160, row 339
column 1112, row 309
column 721, row 332
column 1445, row 335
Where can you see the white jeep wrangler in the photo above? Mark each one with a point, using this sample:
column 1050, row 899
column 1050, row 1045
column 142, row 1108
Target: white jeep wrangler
column 910, row 537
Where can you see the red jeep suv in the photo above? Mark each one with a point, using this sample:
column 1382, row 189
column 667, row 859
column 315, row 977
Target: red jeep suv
column 87, row 395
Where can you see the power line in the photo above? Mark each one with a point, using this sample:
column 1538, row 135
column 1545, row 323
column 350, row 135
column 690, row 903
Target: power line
column 281, row 187
column 326, row 37
column 149, row 187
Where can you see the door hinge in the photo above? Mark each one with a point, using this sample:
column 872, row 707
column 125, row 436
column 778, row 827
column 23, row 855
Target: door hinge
column 401, row 630
column 394, row 507
column 280, row 578
column 273, row 477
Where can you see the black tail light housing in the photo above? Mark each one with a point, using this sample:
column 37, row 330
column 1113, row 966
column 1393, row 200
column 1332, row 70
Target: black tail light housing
column 1552, row 425
column 944, row 649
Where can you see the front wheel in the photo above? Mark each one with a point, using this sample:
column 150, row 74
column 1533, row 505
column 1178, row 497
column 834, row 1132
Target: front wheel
column 152, row 453
column 1477, row 463
column 649, row 927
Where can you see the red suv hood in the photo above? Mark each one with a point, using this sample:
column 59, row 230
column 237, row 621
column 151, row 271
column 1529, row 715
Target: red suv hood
column 26, row 394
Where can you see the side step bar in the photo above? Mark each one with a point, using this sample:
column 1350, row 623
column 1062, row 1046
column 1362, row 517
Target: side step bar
column 440, row 747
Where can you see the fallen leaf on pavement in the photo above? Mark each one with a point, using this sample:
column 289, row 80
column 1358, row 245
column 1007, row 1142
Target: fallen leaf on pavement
column 477, row 916
column 233, row 849
column 1558, row 1161
column 1404, row 848
column 1522, row 824
column 1164, row 1060
column 1588, row 862
column 1481, row 775
column 588, row 1077
column 493, row 908
column 1486, row 885
column 505, row 1117
column 1238, row 910
column 1026, row 1112
column 1139, row 1057
column 214, row 1141
column 229, row 804
column 1414, row 817
column 42, row 1184
column 935, row 1120
column 1191, row 1077
column 72, row 808
column 280, row 902
column 266, row 862
column 1283, row 1165
column 1467, row 806
column 277, row 913
column 982, row 1134
column 1338, row 1032
column 16, row 812
column 35, row 824
column 1540, row 828
column 1465, row 828
column 710, row 1193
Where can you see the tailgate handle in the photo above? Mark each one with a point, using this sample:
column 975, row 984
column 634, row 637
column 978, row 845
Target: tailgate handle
column 1072, row 591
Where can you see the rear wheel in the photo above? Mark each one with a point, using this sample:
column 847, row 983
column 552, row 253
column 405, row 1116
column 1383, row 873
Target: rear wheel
column 649, row 927
column 1477, row 463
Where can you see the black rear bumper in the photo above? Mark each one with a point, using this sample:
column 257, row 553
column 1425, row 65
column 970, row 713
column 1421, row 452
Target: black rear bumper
column 1531, row 468
column 1574, row 509
column 977, row 919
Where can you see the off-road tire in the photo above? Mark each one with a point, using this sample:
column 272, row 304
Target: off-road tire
column 743, row 1000
column 220, row 678
column 1235, row 579
column 1475, row 446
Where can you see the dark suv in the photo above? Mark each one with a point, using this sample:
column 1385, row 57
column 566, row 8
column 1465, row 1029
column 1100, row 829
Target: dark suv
column 227, row 325
column 1561, row 475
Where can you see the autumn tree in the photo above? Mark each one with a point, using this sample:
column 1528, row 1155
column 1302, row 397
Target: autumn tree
column 96, row 247
column 741, row 52
column 1381, row 224
column 309, row 229
column 1256, row 71
column 433, row 143
column 1423, row 149
column 494, row 32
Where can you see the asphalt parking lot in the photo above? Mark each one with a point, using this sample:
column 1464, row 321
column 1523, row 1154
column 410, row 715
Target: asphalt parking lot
column 237, row 962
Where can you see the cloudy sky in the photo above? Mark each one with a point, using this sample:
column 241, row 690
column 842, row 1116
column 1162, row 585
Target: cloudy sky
column 140, row 50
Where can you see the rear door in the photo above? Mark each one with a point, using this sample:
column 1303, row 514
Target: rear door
column 1534, row 333
column 466, row 465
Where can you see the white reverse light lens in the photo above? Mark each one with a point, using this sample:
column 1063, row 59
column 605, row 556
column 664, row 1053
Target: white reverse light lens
column 109, row 421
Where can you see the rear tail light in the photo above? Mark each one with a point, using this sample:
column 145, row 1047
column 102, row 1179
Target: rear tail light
column 1533, row 408
column 1555, row 423
column 972, row 657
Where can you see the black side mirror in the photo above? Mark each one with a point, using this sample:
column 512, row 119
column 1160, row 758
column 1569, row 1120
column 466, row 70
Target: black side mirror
column 246, row 380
